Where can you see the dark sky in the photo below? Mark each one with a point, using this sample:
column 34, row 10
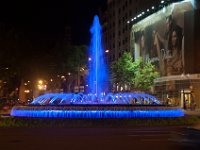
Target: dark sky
column 42, row 19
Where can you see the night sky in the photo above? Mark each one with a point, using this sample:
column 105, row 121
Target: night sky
column 45, row 20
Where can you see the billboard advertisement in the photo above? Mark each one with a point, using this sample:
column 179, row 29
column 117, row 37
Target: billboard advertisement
column 160, row 38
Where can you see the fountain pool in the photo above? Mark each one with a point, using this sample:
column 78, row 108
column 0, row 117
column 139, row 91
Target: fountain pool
column 96, row 104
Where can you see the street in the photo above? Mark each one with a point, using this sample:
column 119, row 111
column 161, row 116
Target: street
column 162, row 138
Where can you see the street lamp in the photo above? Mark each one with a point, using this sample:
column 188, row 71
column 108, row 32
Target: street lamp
column 41, row 85
column 40, row 82
column 107, row 51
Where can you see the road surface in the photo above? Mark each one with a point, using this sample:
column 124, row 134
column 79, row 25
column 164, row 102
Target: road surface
column 148, row 138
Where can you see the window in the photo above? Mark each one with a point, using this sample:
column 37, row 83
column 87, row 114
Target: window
column 130, row 13
column 119, row 11
column 126, row 4
column 119, row 21
column 113, row 3
column 123, row 30
column 126, row 39
column 126, row 16
column 126, row 27
column 113, row 34
column 119, row 33
column 113, row 24
column 123, row 8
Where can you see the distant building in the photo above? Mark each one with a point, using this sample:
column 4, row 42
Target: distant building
column 164, row 32
column 116, row 30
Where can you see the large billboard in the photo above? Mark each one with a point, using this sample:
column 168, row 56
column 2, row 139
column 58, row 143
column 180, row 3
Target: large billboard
column 160, row 38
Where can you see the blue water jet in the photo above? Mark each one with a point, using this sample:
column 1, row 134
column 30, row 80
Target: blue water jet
column 98, row 74
column 96, row 104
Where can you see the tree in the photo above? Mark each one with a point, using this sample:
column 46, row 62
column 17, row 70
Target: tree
column 77, row 60
column 123, row 70
column 138, row 74
column 144, row 74
column 14, row 58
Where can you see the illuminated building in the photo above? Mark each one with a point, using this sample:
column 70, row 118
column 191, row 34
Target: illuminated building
column 116, row 31
column 169, row 38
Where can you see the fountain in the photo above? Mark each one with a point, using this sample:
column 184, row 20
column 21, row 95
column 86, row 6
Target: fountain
column 97, row 103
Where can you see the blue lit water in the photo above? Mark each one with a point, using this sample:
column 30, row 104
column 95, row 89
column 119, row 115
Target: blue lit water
column 119, row 105
column 110, row 98
column 98, row 113
column 98, row 74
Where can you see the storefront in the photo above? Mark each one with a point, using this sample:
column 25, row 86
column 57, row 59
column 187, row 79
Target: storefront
column 181, row 90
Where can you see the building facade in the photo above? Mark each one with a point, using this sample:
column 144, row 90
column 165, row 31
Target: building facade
column 170, row 39
column 116, row 30
column 166, row 32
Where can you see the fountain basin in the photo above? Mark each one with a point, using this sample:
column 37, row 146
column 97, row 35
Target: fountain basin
column 97, row 111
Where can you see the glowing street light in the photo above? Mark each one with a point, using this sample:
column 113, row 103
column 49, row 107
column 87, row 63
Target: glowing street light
column 41, row 85
column 107, row 51
column 40, row 82
column 26, row 91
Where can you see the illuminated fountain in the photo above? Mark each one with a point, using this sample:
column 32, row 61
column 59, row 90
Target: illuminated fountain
column 96, row 104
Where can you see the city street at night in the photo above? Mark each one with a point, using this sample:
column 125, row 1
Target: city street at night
column 100, row 75
column 157, row 138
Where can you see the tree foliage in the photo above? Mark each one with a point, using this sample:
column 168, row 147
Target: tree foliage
column 71, row 58
column 144, row 74
column 123, row 69
column 138, row 74
column 28, row 58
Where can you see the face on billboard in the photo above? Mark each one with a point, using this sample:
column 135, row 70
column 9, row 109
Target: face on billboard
column 159, row 38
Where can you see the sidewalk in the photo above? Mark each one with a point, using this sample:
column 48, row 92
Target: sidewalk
column 193, row 113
